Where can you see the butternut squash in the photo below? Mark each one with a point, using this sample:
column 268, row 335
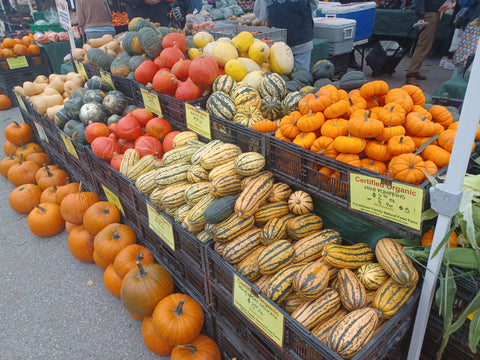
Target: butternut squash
column 32, row 89
column 96, row 43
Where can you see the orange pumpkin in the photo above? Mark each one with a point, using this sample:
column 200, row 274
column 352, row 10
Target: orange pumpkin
column 24, row 198
column 112, row 281
column 407, row 168
column 427, row 239
column 152, row 340
column 99, row 215
column 127, row 257
column 112, row 239
column 45, row 220
column 5, row 102
column 80, row 243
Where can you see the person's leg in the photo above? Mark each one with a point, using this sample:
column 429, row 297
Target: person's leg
column 302, row 60
column 424, row 44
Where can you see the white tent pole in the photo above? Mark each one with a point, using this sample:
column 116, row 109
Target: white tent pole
column 445, row 199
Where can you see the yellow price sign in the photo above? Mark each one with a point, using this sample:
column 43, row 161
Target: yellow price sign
column 20, row 101
column 105, row 76
column 17, row 62
column 394, row 201
column 161, row 226
column 112, row 198
column 41, row 132
column 81, row 69
column 259, row 311
column 470, row 316
column 151, row 101
column 69, row 145
column 198, row 120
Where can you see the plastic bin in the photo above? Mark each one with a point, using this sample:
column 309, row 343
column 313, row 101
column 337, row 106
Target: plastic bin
column 363, row 13
column 339, row 33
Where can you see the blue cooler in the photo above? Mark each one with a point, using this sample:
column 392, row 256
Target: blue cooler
column 363, row 13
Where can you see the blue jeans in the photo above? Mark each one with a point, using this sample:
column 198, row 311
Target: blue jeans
column 302, row 60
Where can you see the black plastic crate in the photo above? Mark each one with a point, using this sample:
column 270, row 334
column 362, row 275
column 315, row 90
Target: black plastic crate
column 446, row 101
column 341, row 64
column 91, row 70
column 11, row 78
column 125, row 86
column 246, row 138
column 467, row 286
column 261, row 32
column 193, row 250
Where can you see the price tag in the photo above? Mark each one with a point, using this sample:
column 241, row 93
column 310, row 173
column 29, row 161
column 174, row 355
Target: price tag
column 41, row 132
column 259, row 311
column 81, row 69
column 17, row 62
column 161, row 226
column 105, row 76
column 151, row 102
column 69, row 145
column 112, row 198
column 395, row 202
column 198, row 120
column 20, row 101
column 470, row 316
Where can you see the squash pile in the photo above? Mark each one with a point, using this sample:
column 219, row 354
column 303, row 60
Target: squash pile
column 95, row 235
column 389, row 131
column 11, row 47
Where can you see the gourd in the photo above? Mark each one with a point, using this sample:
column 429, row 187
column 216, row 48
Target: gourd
column 280, row 58
column 280, row 285
column 100, row 58
column 314, row 312
column 45, row 220
column 348, row 256
column 390, row 297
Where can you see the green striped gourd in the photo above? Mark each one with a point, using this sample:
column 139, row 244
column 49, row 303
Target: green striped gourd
column 220, row 209
column 270, row 211
column 334, row 283
column 312, row 313
column 224, row 83
column 243, row 94
column 170, row 211
column 395, row 262
column 221, row 105
column 242, row 245
column 155, row 196
column 183, row 138
column 181, row 213
column 290, row 101
column 249, row 163
column 142, row 166
column 280, row 285
column 248, row 267
column 222, row 170
column 275, row 257
column 178, row 155
column 204, row 236
column 332, row 271
column 196, row 173
column 195, row 215
column 370, row 296
column 311, row 281
column 219, row 155
column 271, row 108
column 310, row 247
column 195, row 159
column 352, row 292
column 256, row 191
column 348, row 256
column 280, row 192
column 263, row 282
column 292, row 303
column 372, row 275
column 322, row 330
column 390, row 297
column 300, row 203
column 273, row 85
column 233, row 226
column 275, row 229
column 225, row 185
column 172, row 174
column 352, row 332
column 192, row 228
column 172, row 196
column 219, row 248
column 208, row 226
column 145, row 183
column 130, row 157
column 304, row 225
column 195, row 192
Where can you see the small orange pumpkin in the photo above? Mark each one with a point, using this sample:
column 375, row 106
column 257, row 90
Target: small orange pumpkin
column 45, row 220
column 427, row 239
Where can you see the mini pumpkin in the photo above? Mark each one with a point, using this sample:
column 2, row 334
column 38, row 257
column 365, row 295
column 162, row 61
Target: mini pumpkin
column 323, row 145
column 300, row 203
column 80, row 243
column 400, row 144
column 407, row 168
column 335, row 127
column 24, row 198
column 45, row 220
column 349, row 144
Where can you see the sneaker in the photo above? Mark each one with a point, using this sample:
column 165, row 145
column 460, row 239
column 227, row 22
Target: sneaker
column 449, row 65
column 442, row 62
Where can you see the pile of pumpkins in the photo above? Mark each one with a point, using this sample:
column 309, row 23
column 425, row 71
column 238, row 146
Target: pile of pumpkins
column 25, row 45
column 96, row 235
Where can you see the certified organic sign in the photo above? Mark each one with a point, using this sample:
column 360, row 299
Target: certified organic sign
column 151, row 101
column 395, row 202
column 41, row 132
column 259, row 311
column 198, row 121
column 69, row 145
column 112, row 198
column 161, row 226
column 17, row 62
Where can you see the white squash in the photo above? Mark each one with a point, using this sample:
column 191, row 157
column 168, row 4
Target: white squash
column 281, row 58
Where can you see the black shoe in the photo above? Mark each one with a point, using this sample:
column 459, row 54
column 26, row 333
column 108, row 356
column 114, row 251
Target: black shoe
column 417, row 76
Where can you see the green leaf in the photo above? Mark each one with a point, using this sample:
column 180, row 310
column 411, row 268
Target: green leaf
column 474, row 332
column 429, row 214
column 443, row 242
column 410, row 242
column 471, row 308
column 467, row 213
column 449, row 292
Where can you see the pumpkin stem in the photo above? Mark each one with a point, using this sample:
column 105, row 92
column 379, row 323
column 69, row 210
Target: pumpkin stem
column 41, row 209
column 142, row 271
column 80, row 186
column 401, row 140
column 35, row 149
column 20, row 159
column 178, row 310
column 191, row 349
column 11, row 155
column 17, row 125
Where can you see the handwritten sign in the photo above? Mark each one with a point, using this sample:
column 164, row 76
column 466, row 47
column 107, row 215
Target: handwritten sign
column 151, row 101
column 161, row 226
column 81, row 69
column 63, row 14
column 105, row 76
column 41, row 132
column 17, row 62
column 112, row 198
column 395, row 202
column 69, row 145
column 198, row 120
column 20, row 101
column 259, row 311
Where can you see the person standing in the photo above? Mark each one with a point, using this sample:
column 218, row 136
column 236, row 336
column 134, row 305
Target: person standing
column 95, row 17
column 155, row 10
column 297, row 17
column 428, row 16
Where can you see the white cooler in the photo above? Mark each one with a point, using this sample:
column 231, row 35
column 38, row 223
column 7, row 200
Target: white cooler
column 338, row 31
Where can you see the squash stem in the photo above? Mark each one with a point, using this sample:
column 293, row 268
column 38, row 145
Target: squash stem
column 191, row 349
column 178, row 310
column 41, row 209
column 20, row 160
column 142, row 271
